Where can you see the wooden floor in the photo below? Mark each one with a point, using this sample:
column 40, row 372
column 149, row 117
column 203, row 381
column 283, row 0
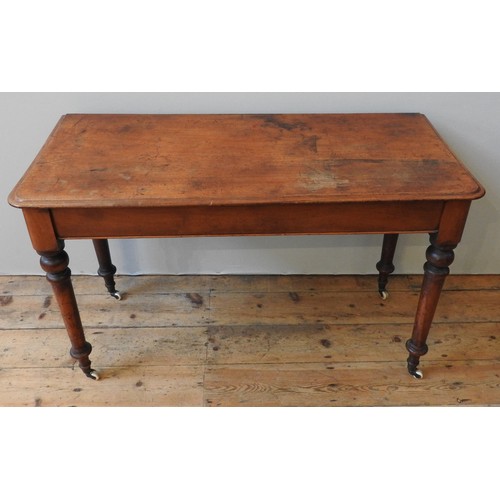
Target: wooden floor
column 250, row 341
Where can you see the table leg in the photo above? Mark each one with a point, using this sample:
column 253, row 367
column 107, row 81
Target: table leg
column 385, row 265
column 55, row 264
column 439, row 257
column 106, row 268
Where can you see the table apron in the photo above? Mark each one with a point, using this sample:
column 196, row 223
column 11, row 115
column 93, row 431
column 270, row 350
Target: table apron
column 272, row 219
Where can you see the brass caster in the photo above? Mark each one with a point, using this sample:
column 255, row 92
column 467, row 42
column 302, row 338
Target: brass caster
column 116, row 295
column 418, row 374
column 384, row 294
column 94, row 374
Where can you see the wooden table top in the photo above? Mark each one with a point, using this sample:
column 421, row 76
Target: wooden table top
column 204, row 160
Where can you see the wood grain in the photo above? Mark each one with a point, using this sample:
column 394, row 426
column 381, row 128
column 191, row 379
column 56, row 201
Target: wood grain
column 189, row 309
column 207, row 160
column 144, row 386
column 132, row 346
column 143, row 176
column 248, row 359
column 346, row 308
column 161, row 284
column 357, row 384
column 268, row 344
column 238, row 220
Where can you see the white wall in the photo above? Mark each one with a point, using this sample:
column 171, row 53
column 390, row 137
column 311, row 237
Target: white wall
column 469, row 122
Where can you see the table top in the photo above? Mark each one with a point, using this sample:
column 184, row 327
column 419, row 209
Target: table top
column 93, row 160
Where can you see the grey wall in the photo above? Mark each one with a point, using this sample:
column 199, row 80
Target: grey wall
column 469, row 122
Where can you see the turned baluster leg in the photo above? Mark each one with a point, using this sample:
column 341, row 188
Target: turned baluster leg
column 385, row 265
column 439, row 257
column 55, row 264
column 106, row 268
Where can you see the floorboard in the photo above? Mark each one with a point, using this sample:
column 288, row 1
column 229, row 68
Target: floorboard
column 250, row 341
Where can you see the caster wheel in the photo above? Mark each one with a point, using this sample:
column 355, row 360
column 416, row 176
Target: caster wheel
column 418, row 374
column 94, row 374
column 116, row 295
column 384, row 294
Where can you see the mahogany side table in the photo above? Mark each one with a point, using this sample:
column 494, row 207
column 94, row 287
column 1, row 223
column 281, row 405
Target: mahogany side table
column 138, row 176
